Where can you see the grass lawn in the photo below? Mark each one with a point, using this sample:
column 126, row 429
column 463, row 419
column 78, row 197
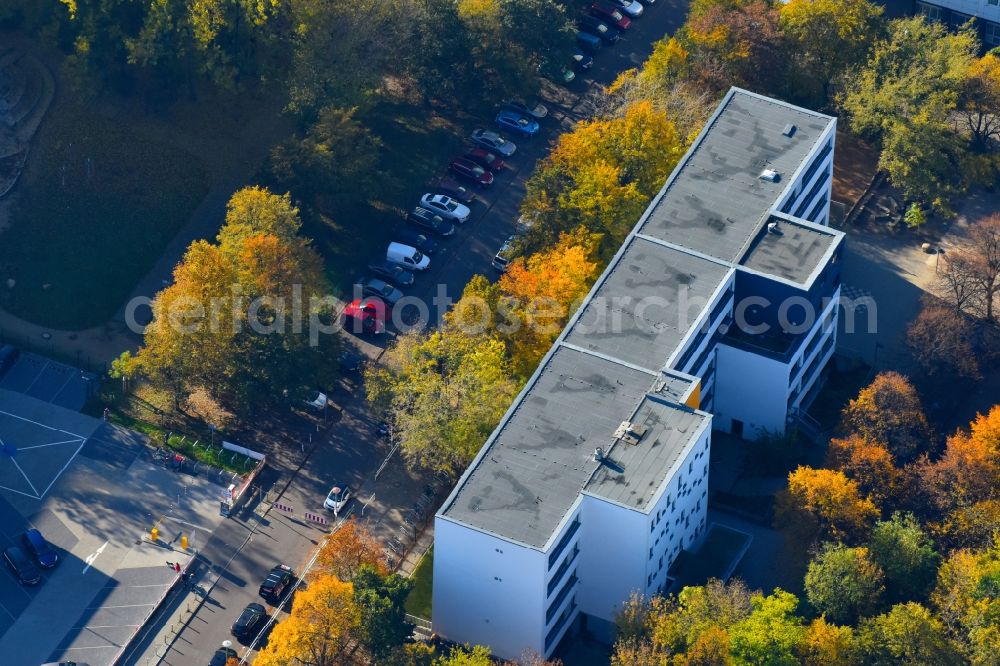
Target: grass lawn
column 419, row 601
column 418, row 145
column 99, row 202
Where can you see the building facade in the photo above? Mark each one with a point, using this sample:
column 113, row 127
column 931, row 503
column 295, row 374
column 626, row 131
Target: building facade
column 955, row 13
column 718, row 311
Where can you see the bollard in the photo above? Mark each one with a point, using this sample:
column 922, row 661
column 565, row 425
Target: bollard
column 154, row 535
column 184, row 541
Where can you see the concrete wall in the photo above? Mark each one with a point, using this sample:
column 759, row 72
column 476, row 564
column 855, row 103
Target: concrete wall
column 612, row 556
column 751, row 388
column 487, row 591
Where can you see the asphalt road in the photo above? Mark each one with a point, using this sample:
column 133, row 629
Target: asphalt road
column 348, row 450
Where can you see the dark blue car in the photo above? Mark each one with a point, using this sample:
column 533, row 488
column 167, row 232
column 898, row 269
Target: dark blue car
column 40, row 549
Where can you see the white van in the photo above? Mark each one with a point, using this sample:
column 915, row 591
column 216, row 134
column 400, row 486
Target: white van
column 408, row 257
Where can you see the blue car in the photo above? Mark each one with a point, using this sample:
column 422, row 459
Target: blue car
column 517, row 122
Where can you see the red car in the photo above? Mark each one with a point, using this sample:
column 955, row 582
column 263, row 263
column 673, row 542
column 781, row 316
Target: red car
column 485, row 159
column 366, row 316
column 610, row 15
column 469, row 170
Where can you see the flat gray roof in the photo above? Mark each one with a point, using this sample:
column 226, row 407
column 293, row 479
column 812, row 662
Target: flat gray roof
column 717, row 200
column 542, row 455
column 635, row 313
column 540, row 458
column 632, row 473
column 794, row 252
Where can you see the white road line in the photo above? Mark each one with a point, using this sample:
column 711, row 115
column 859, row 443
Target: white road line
column 127, row 587
column 41, row 425
column 12, row 616
column 124, row 606
column 68, row 463
column 42, row 446
column 91, row 647
column 106, row 626
column 93, row 556
column 19, row 492
column 55, row 395
column 25, row 477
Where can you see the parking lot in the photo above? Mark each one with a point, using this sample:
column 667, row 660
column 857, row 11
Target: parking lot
column 48, row 381
column 89, row 487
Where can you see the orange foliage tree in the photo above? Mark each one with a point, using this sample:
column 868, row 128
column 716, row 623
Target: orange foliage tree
column 824, row 503
column 347, row 550
column 888, row 411
column 869, row 464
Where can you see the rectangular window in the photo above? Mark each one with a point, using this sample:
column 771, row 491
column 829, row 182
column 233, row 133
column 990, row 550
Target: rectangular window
column 561, row 546
column 561, row 597
column 991, row 31
column 821, row 183
column 563, row 568
column 811, row 171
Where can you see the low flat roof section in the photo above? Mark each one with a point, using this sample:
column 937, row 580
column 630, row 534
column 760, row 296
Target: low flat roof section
column 542, row 455
column 792, row 251
column 646, row 303
column 717, row 199
column 632, row 473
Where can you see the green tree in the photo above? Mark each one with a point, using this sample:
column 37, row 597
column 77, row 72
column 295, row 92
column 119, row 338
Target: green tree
column 380, row 601
column 844, row 583
column 914, row 216
column 465, row 656
column 967, row 597
column 904, row 552
column 772, row 633
column 904, row 95
column 828, row 37
column 907, row 634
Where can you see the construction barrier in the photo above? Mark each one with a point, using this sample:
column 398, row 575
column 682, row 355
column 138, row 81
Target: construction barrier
column 283, row 507
column 317, row 518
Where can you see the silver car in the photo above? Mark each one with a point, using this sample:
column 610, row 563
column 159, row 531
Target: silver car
column 446, row 207
column 493, row 142
column 384, row 290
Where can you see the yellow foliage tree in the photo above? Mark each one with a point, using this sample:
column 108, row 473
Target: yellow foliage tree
column 318, row 631
column 824, row 502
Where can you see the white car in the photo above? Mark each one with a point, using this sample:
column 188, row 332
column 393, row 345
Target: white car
column 506, row 254
column 493, row 142
column 337, row 498
column 446, row 207
column 631, row 7
column 535, row 110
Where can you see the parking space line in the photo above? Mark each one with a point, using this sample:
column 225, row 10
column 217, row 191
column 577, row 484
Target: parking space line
column 12, row 616
column 106, row 626
column 37, row 377
column 20, row 492
column 124, row 606
column 68, row 463
column 41, row 425
column 25, row 477
column 55, row 395
column 42, row 446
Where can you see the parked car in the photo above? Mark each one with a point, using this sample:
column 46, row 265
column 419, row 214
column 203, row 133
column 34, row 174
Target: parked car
column 568, row 74
column 407, row 256
column 517, row 122
column 337, row 498
column 581, row 61
column 470, row 171
column 648, row 2
column 39, row 548
column 446, row 207
column 278, row 580
column 589, row 42
column 249, row 623
column 21, row 565
column 8, row 355
column 631, row 7
column 452, row 188
column 506, row 254
column 365, row 316
column 221, row 656
column 599, row 28
column 429, row 221
column 391, row 272
column 380, row 288
column 351, row 362
column 417, row 240
column 493, row 142
column 611, row 14
column 485, row 159
column 536, row 111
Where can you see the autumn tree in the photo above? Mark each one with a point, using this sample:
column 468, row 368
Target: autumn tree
column 238, row 316
column 823, row 503
column 432, row 386
column 825, row 644
column 465, row 656
column 968, row 601
column 844, row 583
column 772, row 632
column 869, row 464
column 907, row 634
column 984, row 260
column 904, row 96
column 980, row 99
column 943, row 340
column 735, row 42
column 905, row 554
column 826, row 38
column 968, row 471
column 349, row 548
column 319, row 629
column 888, row 411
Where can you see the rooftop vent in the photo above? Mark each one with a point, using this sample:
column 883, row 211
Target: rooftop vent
column 773, row 228
column 789, row 130
column 770, row 175
column 630, row 433
column 598, row 454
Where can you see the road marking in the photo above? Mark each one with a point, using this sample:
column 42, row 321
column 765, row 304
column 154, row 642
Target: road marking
column 41, row 446
column 41, row 425
column 69, row 462
column 93, row 556
column 124, row 606
column 30, row 484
